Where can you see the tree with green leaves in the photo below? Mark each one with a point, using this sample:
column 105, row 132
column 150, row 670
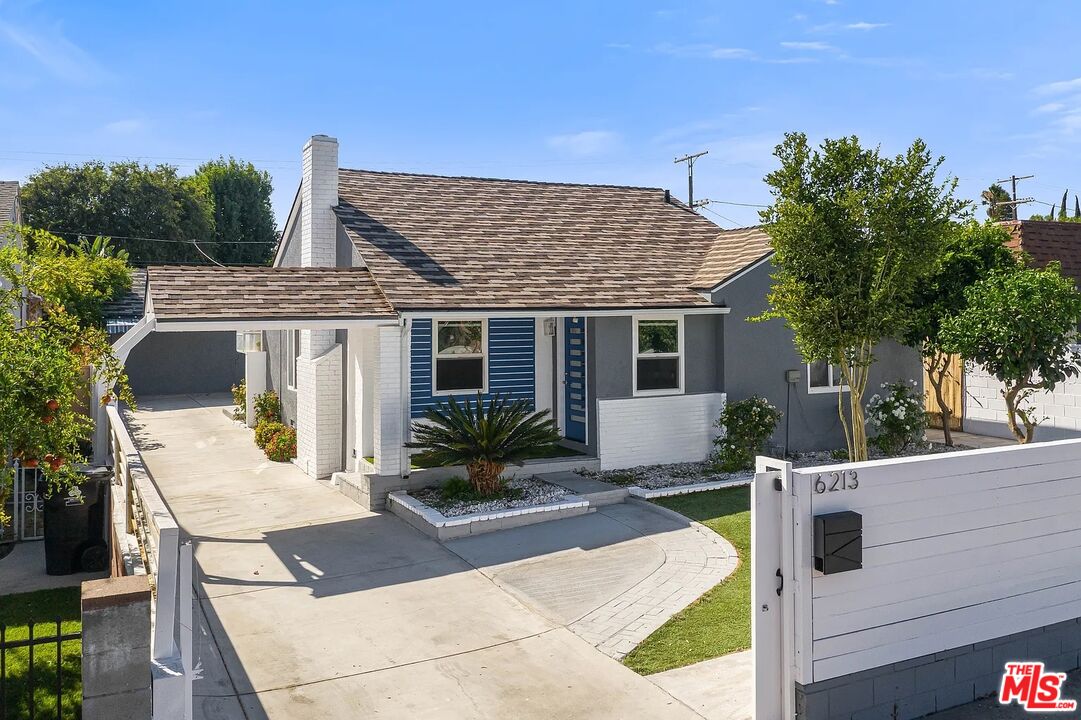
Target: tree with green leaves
column 1018, row 324
column 993, row 198
column 853, row 231
column 972, row 251
column 1062, row 216
column 44, row 361
column 244, row 230
column 151, row 212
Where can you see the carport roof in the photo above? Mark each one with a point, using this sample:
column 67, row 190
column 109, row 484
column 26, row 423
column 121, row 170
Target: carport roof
column 185, row 293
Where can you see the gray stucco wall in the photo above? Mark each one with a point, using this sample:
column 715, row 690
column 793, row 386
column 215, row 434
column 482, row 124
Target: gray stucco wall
column 932, row 683
column 758, row 354
column 612, row 342
column 185, row 362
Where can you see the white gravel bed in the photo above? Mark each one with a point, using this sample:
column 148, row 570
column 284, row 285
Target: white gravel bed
column 532, row 492
column 655, row 477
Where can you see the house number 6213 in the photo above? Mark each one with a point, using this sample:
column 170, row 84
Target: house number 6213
column 835, row 481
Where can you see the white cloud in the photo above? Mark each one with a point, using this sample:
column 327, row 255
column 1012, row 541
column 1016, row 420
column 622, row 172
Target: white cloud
column 816, row 46
column 865, row 26
column 127, row 126
column 62, row 58
column 703, row 50
column 585, row 143
column 1058, row 88
column 1051, row 107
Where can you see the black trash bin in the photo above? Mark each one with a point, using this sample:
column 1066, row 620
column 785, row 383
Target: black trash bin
column 74, row 529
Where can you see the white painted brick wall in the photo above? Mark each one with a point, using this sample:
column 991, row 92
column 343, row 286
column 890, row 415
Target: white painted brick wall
column 319, row 193
column 319, row 403
column 650, row 430
column 387, row 430
column 983, row 401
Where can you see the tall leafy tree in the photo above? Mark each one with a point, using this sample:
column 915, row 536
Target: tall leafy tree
column 992, row 198
column 1019, row 325
column 243, row 219
column 972, row 252
column 853, row 232
column 44, row 359
column 150, row 212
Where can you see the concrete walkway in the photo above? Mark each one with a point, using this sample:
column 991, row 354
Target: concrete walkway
column 311, row 607
column 612, row 577
column 24, row 571
column 719, row 689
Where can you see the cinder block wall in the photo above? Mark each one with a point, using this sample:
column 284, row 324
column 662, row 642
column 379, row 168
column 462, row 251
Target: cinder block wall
column 985, row 410
column 116, row 648
column 928, row 684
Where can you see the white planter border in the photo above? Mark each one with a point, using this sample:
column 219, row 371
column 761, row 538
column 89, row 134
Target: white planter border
column 437, row 519
column 650, row 493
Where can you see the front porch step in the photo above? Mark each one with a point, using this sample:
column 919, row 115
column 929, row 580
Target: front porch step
column 595, row 492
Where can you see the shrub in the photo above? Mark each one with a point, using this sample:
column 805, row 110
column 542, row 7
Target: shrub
column 240, row 399
column 265, row 432
column 483, row 436
column 283, row 446
column 898, row 415
column 747, row 425
column 267, row 407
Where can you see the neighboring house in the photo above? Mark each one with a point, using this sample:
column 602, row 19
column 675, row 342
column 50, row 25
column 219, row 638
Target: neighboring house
column 9, row 216
column 1059, row 412
column 616, row 308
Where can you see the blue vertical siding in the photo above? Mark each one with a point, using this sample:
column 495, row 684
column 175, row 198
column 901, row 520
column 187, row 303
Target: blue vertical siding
column 511, row 362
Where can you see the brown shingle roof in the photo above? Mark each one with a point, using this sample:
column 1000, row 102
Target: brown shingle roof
column 1047, row 241
column 435, row 242
column 182, row 293
column 732, row 251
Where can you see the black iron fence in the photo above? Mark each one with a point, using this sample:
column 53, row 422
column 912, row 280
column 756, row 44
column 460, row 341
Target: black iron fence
column 40, row 674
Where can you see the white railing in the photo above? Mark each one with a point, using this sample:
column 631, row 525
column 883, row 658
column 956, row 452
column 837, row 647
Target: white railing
column 148, row 540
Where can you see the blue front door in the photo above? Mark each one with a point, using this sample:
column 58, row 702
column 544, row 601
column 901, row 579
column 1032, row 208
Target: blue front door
column 574, row 378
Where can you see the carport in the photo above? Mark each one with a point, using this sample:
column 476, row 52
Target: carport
column 324, row 306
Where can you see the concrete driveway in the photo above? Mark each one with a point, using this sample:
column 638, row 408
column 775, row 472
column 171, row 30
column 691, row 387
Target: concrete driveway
column 310, row 607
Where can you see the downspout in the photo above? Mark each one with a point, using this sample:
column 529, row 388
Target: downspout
column 407, row 335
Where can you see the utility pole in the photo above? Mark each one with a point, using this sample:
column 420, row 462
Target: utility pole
column 1014, row 202
column 689, row 159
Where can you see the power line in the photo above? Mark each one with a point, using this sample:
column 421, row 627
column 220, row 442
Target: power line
column 689, row 159
column 84, row 233
column 714, row 212
column 740, row 204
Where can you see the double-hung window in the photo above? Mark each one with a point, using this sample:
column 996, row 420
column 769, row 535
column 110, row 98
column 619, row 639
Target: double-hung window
column 459, row 357
column 824, row 377
column 658, row 357
column 292, row 352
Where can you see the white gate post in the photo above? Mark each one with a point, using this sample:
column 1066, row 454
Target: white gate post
column 772, row 639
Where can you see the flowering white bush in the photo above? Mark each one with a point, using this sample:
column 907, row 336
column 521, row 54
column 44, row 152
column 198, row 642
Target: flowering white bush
column 747, row 425
column 898, row 416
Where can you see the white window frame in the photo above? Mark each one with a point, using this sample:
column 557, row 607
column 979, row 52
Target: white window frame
column 834, row 385
column 483, row 355
column 635, row 355
column 292, row 352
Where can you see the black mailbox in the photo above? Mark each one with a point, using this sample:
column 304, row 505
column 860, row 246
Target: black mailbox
column 838, row 542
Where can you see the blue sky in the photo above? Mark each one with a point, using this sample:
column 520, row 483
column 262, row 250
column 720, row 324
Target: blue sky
column 570, row 91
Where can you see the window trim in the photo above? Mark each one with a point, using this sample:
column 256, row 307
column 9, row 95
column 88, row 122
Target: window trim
column 292, row 353
column 681, row 355
column 831, row 388
column 483, row 355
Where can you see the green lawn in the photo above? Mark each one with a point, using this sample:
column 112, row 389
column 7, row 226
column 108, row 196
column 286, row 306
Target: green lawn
column 43, row 608
column 720, row 621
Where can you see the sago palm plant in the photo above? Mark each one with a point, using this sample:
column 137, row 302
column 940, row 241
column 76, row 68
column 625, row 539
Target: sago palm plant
column 485, row 437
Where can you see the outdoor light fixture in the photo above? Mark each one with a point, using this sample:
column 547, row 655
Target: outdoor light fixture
column 838, row 542
column 249, row 341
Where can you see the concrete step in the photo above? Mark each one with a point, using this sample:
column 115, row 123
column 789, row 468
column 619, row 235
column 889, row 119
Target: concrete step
column 597, row 493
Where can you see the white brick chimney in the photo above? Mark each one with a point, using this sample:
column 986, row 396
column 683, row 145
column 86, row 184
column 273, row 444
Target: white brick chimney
column 319, row 367
column 318, row 194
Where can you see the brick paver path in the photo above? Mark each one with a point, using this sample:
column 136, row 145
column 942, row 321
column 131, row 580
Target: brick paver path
column 696, row 559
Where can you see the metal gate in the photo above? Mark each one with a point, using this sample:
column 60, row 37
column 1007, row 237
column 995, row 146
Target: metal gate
column 26, row 506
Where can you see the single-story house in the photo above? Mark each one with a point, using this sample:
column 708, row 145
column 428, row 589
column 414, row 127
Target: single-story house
column 616, row 308
column 1043, row 241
